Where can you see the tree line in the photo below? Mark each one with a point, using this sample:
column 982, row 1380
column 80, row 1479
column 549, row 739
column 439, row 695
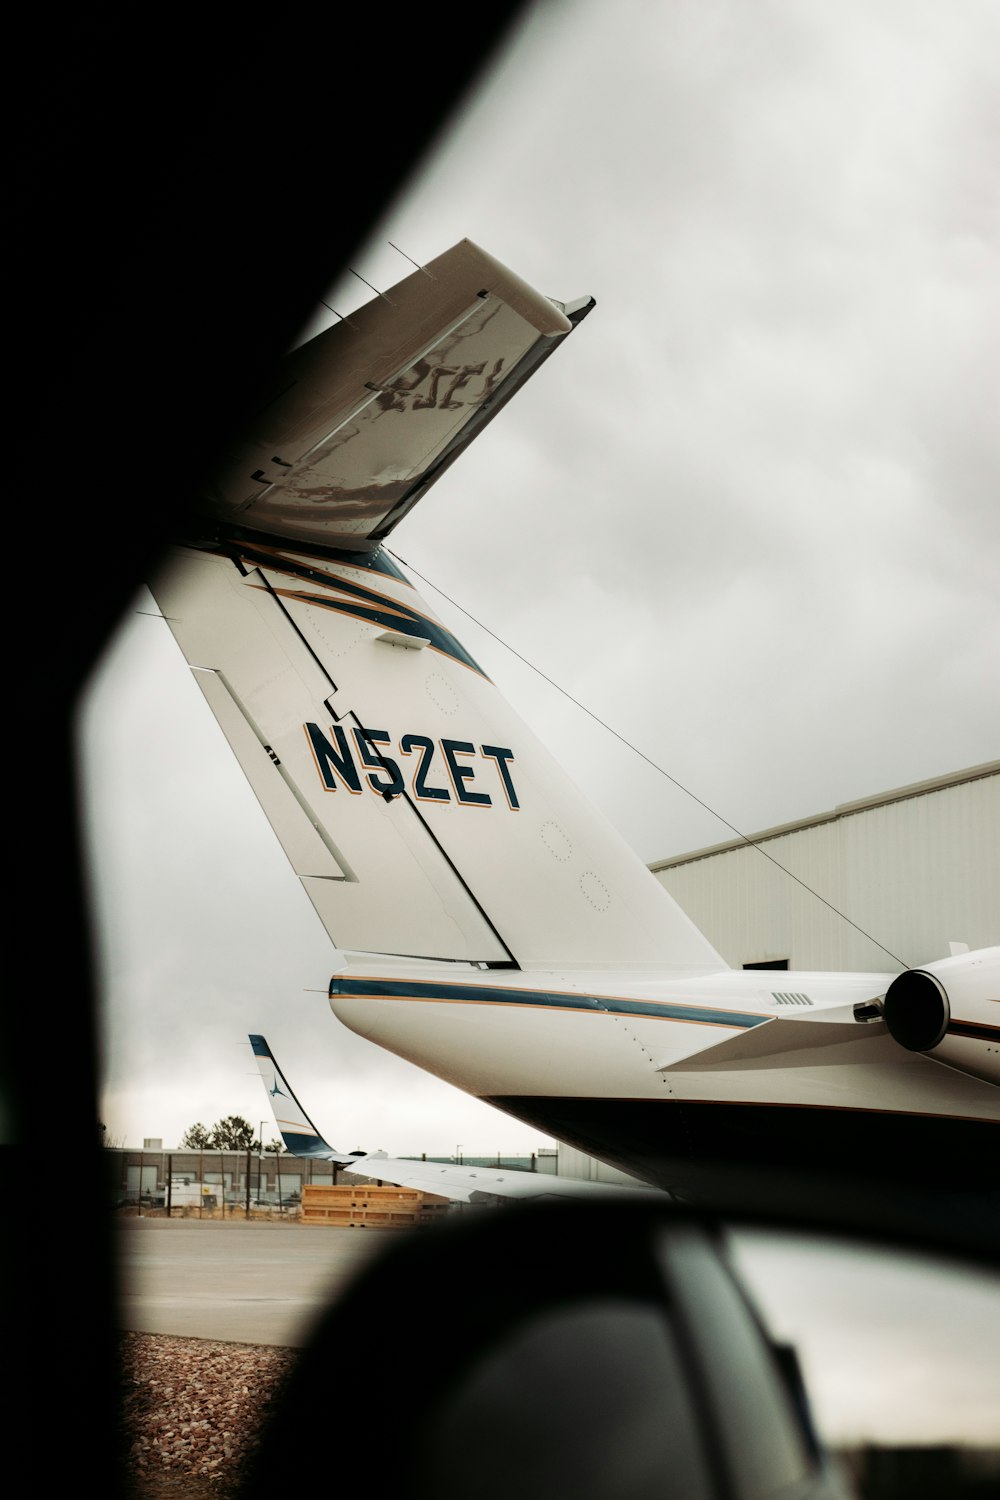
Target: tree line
column 234, row 1133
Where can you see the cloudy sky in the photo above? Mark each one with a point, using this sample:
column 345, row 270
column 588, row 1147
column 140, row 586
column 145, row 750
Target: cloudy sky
column 900, row 1348
column 748, row 512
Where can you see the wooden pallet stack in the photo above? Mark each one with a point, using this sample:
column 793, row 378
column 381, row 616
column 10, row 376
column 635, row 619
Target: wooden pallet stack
column 363, row 1205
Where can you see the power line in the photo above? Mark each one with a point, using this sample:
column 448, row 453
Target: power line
column 751, row 843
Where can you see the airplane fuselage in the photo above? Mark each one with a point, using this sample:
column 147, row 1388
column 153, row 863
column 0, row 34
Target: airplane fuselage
column 660, row 1074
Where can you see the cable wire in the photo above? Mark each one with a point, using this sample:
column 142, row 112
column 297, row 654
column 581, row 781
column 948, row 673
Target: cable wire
column 751, row 843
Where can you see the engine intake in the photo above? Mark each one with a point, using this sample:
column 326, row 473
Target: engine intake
column 916, row 1011
column 949, row 1010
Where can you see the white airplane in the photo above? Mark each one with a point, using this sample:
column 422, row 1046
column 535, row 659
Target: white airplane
column 491, row 925
column 462, row 1184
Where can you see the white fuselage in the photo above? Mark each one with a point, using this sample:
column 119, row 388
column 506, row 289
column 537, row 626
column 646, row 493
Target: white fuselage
column 501, row 1034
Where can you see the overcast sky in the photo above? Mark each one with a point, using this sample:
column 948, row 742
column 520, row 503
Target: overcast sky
column 899, row 1348
column 748, row 512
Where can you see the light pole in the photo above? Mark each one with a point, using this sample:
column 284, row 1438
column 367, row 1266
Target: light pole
column 260, row 1158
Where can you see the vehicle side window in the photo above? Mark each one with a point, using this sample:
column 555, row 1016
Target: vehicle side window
column 589, row 1400
column 764, row 1446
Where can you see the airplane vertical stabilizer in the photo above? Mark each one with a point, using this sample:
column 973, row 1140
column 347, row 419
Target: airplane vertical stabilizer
column 421, row 815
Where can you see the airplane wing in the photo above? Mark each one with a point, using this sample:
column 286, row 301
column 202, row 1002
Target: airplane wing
column 485, row 1185
column 478, row 1185
column 298, row 1132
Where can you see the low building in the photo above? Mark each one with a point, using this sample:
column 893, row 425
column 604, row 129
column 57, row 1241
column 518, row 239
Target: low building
column 915, row 869
column 142, row 1177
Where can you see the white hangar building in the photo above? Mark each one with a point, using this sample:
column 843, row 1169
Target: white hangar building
column 917, row 868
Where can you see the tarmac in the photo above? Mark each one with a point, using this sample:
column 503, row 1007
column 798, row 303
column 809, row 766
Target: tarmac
column 898, row 1347
column 234, row 1280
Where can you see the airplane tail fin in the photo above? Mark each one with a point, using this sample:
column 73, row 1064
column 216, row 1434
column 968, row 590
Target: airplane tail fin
column 421, row 815
column 298, row 1132
column 480, row 1184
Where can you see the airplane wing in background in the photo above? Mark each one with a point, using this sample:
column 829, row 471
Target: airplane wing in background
column 474, row 1185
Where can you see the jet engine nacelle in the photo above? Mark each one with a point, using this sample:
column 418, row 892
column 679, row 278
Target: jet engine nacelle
column 951, row 1011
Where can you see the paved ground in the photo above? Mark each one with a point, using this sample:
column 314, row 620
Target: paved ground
column 249, row 1283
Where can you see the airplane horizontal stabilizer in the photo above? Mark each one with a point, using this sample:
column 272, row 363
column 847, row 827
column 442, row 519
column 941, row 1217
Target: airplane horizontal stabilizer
column 368, row 414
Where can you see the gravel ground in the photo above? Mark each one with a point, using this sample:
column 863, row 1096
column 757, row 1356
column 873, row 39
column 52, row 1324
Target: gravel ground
column 192, row 1410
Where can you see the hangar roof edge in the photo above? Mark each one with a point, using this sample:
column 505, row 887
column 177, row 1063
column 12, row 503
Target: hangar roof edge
column 842, row 810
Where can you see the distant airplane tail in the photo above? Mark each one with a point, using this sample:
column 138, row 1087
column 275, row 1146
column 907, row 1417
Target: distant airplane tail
column 421, row 815
column 461, row 1184
column 298, row 1132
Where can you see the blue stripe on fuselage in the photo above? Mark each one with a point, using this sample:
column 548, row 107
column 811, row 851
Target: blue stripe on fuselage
column 478, row 994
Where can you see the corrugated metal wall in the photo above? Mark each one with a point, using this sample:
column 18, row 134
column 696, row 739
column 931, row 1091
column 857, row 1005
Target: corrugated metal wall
column 574, row 1163
column 915, row 873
